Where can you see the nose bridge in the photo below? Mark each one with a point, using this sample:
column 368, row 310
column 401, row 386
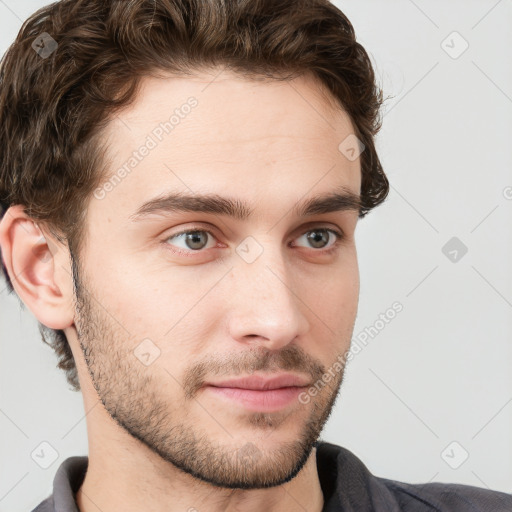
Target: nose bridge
column 264, row 301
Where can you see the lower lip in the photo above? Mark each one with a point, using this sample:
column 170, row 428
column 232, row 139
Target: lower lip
column 260, row 400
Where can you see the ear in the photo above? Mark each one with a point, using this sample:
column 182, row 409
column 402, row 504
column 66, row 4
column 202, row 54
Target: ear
column 39, row 268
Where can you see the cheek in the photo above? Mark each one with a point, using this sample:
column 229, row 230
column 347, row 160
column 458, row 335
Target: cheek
column 337, row 306
column 173, row 309
column 336, row 299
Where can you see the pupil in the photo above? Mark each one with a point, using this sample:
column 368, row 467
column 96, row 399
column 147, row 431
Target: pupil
column 195, row 238
column 313, row 237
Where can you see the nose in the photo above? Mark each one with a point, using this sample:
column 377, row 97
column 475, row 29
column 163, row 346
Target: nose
column 266, row 307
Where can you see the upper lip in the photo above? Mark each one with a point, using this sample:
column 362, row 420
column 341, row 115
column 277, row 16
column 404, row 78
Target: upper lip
column 263, row 383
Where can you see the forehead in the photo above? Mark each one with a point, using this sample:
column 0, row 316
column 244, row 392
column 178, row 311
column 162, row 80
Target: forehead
column 233, row 95
column 222, row 133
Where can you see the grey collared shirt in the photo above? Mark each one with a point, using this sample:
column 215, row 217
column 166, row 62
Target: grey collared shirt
column 346, row 483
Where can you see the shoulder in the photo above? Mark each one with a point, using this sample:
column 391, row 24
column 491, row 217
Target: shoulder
column 447, row 497
column 47, row 505
column 348, row 485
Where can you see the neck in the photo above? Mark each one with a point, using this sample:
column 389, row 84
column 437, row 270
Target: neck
column 132, row 481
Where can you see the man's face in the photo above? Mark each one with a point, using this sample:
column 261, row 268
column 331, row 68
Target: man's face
column 161, row 315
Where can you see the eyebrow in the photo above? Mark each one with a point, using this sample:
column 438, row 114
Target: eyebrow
column 341, row 199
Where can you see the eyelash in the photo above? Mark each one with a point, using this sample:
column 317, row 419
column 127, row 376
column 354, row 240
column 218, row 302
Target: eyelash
column 338, row 234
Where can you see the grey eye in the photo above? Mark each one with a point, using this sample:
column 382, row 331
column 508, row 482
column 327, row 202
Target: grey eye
column 319, row 238
column 194, row 239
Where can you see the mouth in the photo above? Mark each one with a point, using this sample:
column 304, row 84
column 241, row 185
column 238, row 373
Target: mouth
column 259, row 400
column 262, row 382
column 259, row 394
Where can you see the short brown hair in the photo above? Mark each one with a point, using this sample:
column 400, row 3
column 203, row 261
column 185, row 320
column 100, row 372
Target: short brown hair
column 53, row 107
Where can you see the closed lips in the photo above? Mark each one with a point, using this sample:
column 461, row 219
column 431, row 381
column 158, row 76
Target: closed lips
column 263, row 384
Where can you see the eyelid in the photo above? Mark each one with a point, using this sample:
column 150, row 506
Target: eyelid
column 334, row 231
column 190, row 252
column 338, row 233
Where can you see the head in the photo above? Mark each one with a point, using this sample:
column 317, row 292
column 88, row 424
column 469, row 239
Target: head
column 180, row 185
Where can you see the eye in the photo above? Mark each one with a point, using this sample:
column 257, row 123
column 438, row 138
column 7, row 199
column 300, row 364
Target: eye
column 193, row 239
column 318, row 238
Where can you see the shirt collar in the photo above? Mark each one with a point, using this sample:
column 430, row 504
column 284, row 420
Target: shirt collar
column 345, row 481
column 67, row 481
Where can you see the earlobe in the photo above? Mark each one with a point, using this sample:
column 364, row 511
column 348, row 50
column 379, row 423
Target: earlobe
column 33, row 264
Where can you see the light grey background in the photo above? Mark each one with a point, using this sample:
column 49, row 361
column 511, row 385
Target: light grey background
column 434, row 384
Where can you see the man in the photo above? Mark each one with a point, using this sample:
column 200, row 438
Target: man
column 181, row 183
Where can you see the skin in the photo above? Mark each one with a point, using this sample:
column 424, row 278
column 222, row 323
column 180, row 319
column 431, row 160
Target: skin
column 157, row 440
